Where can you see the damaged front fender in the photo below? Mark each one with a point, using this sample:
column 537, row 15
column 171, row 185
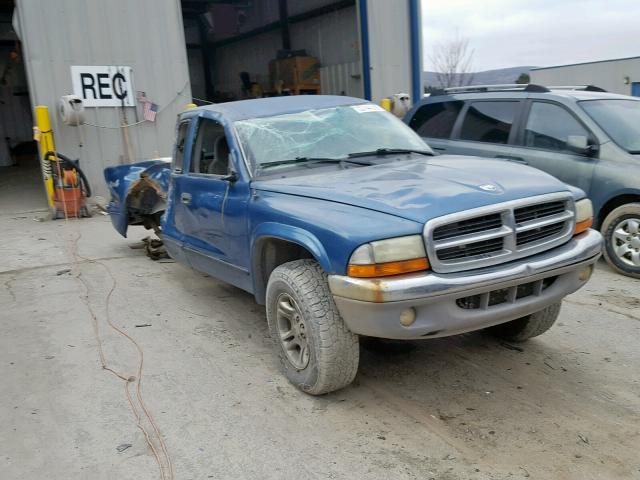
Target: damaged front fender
column 138, row 193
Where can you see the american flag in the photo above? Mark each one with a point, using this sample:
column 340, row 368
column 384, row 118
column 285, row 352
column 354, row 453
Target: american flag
column 149, row 109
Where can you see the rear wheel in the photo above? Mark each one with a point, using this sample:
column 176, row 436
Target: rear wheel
column 527, row 327
column 317, row 352
column 621, row 231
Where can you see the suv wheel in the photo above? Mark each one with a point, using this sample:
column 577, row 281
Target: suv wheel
column 317, row 352
column 621, row 231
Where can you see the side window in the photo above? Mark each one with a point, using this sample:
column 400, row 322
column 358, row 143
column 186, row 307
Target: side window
column 436, row 120
column 211, row 151
column 178, row 156
column 489, row 122
column 550, row 126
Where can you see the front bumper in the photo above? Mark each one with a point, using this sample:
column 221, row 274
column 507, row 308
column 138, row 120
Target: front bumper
column 453, row 303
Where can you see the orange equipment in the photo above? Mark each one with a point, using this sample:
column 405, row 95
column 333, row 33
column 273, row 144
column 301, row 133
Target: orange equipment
column 70, row 187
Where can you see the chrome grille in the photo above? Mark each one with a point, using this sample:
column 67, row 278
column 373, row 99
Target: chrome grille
column 499, row 233
column 463, row 227
column 522, row 238
column 470, row 249
column 531, row 212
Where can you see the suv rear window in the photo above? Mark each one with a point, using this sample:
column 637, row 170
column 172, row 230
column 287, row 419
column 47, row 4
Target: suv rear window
column 436, row 120
column 489, row 122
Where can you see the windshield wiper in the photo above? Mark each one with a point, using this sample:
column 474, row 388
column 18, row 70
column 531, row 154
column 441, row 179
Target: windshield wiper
column 389, row 151
column 310, row 160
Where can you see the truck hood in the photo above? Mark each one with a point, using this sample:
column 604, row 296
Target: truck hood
column 420, row 189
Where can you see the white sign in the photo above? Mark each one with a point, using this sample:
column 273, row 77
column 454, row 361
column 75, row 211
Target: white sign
column 367, row 108
column 107, row 86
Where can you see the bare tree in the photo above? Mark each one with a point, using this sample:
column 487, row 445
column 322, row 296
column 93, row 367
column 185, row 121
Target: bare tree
column 453, row 62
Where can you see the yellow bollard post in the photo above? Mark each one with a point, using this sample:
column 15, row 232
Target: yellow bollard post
column 386, row 104
column 44, row 136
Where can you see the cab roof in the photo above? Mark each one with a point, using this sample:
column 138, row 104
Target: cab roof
column 267, row 107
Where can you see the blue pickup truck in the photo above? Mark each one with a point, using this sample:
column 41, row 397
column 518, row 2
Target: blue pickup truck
column 340, row 220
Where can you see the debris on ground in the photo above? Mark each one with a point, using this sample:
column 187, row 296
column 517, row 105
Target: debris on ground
column 62, row 272
column 123, row 446
column 583, row 438
column 99, row 209
column 154, row 247
column 143, row 325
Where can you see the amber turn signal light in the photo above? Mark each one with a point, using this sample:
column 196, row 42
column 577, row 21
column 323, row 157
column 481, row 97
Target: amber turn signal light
column 386, row 269
column 583, row 226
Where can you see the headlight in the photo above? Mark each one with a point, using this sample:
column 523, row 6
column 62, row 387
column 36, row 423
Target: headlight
column 388, row 257
column 584, row 216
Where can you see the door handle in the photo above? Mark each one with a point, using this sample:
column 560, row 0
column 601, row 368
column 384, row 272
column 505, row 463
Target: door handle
column 185, row 198
column 513, row 159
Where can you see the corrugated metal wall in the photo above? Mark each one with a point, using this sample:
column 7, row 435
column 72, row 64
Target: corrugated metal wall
column 145, row 34
column 389, row 47
column 609, row 75
column 342, row 79
column 333, row 38
column 251, row 55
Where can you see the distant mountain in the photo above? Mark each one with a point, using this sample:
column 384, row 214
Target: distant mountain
column 488, row 77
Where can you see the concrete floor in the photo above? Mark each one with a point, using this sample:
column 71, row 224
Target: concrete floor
column 565, row 407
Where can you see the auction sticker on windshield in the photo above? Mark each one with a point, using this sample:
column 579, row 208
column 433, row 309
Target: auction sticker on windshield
column 368, row 107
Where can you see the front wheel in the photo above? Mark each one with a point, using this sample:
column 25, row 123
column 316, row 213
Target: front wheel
column 524, row 328
column 317, row 352
column 621, row 231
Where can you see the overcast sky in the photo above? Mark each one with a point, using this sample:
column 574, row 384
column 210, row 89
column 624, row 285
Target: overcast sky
column 509, row 33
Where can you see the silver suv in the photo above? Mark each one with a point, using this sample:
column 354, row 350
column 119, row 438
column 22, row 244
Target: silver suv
column 582, row 135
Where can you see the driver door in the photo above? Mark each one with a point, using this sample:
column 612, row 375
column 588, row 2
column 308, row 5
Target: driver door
column 210, row 205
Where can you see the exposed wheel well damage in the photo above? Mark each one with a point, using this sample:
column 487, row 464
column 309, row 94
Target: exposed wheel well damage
column 146, row 202
column 269, row 253
column 614, row 203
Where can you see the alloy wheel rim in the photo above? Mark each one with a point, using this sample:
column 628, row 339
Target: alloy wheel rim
column 292, row 331
column 626, row 241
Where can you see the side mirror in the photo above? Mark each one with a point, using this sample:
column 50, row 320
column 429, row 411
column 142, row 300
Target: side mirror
column 231, row 178
column 582, row 145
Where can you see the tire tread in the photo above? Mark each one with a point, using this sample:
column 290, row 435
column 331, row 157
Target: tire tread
column 524, row 328
column 337, row 352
